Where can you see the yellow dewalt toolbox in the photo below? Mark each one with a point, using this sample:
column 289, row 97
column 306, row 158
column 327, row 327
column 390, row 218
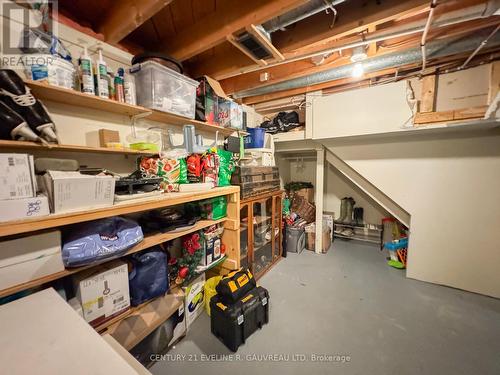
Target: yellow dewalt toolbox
column 235, row 285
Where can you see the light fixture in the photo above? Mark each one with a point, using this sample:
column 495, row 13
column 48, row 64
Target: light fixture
column 358, row 70
column 358, row 54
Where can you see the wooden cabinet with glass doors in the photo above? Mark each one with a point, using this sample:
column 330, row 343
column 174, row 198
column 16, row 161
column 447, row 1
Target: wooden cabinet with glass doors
column 261, row 232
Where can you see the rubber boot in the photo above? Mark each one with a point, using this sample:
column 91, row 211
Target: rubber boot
column 13, row 126
column 18, row 97
column 359, row 216
column 343, row 212
column 349, row 210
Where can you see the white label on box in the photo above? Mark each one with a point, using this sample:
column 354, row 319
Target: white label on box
column 216, row 248
column 16, row 177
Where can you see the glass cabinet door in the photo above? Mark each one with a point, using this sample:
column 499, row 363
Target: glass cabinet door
column 262, row 217
column 244, row 234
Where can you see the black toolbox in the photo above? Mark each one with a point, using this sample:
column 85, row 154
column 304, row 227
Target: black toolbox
column 233, row 324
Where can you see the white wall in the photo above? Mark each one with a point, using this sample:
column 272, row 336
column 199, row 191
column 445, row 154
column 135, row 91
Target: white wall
column 384, row 109
column 448, row 182
column 450, row 186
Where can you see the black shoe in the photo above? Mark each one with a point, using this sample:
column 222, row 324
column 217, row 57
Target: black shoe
column 18, row 97
column 13, row 126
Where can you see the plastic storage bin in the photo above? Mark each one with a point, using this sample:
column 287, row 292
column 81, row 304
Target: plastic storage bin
column 255, row 138
column 163, row 89
column 53, row 69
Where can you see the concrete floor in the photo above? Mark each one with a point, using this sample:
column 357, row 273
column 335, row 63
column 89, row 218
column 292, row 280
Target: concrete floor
column 350, row 303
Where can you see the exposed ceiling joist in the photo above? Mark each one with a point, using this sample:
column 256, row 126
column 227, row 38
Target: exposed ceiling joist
column 231, row 17
column 353, row 18
column 127, row 15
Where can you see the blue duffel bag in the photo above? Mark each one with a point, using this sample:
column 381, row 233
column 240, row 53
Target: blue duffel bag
column 98, row 241
column 149, row 277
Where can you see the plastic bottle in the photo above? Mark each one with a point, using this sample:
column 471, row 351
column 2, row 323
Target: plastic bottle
column 86, row 75
column 111, row 84
column 129, row 88
column 102, row 77
column 119, row 89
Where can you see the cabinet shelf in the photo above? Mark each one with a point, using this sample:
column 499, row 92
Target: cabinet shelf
column 153, row 319
column 63, row 95
column 122, row 208
column 24, row 145
column 147, row 242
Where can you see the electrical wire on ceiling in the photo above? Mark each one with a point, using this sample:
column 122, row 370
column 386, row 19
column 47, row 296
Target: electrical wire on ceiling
column 423, row 41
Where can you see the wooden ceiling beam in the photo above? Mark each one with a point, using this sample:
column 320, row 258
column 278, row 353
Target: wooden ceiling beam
column 231, row 17
column 253, row 30
column 232, row 39
column 301, row 68
column 353, row 17
column 127, row 15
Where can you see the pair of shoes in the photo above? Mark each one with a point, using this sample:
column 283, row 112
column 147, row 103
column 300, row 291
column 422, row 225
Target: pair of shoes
column 346, row 210
column 21, row 115
column 348, row 232
column 358, row 215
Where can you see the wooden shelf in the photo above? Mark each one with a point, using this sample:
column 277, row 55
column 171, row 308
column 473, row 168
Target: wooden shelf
column 149, row 241
column 122, row 208
column 152, row 313
column 23, row 145
column 63, row 95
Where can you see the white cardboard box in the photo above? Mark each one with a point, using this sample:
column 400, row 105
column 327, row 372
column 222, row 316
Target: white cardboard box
column 15, row 209
column 193, row 300
column 29, row 258
column 103, row 292
column 17, row 176
column 72, row 191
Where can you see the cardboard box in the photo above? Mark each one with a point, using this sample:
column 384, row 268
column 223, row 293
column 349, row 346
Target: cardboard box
column 230, row 114
column 108, row 136
column 307, row 193
column 17, row 176
column 328, row 220
column 16, row 209
column 211, row 246
column 28, row 258
column 103, row 292
column 72, row 191
column 193, row 300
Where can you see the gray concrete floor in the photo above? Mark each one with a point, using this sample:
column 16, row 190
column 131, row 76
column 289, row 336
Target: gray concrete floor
column 350, row 303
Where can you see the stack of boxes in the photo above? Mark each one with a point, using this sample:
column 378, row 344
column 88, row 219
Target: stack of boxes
column 18, row 198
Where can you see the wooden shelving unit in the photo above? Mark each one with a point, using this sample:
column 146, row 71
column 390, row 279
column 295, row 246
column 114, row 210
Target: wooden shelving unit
column 63, row 95
column 33, row 146
column 149, row 241
column 151, row 318
column 123, row 208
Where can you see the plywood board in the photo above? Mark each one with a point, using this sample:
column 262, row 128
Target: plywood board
column 43, row 335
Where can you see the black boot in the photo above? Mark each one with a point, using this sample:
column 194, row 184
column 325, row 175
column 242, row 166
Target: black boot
column 18, row 97
column 13, row 126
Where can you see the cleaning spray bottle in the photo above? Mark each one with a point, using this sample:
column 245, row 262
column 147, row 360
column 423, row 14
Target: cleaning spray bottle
column 119, row 90
column 102, row 77
column 87, row 78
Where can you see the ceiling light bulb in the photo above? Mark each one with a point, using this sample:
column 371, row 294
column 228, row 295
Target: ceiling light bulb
column 358, row 70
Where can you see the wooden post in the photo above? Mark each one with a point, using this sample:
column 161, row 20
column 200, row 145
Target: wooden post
column 320, row 170
column 494, row 81
column 231, row 235
column 428, row 94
